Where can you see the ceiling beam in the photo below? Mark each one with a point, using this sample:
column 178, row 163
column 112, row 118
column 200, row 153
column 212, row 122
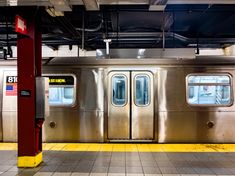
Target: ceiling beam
column 157, row 5
column 32, row 2
column 61, row 5
column 201, row 2
column 94, row 4
column 143, row 2
column 91, row 5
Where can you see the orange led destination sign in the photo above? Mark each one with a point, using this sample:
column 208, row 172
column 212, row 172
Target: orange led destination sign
column 61, row 80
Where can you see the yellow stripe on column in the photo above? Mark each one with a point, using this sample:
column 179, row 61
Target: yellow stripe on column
column 30, row 161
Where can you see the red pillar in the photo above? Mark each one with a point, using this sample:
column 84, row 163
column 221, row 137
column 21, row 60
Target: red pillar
column 29, row 66
column 38, row 64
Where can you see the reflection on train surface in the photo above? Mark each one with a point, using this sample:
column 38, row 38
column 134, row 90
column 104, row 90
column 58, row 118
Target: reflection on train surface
column 149, row 100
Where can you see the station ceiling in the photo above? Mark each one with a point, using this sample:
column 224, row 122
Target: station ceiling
column 128, row 23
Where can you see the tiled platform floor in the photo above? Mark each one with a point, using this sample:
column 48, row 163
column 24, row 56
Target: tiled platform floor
column 66, row 162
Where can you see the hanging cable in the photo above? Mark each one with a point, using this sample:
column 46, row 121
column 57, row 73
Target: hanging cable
column 163, row 31
column 83, row 30
column 9, row 50
column 117, row 28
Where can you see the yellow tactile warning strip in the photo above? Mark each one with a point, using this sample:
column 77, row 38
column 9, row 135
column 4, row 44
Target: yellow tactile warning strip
column 120, row 147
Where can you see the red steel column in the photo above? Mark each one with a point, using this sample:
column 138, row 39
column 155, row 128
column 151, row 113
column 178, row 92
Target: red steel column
column 29, row 66
column 38, row 65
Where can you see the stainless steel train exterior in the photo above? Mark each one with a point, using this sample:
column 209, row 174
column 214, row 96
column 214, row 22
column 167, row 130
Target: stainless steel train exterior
column 151, row 100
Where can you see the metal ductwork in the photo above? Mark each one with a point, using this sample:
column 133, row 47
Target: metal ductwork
column 168, row 53
column 157, row 5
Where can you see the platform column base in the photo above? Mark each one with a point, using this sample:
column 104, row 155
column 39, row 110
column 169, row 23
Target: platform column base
column 30, row 161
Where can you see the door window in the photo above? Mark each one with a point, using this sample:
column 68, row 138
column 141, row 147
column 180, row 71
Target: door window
column 119, row 90
column 142, row 93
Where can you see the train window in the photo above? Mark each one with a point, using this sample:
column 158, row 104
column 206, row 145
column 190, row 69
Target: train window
column 119, row 90
column 68, row 93
column 61, row 90
column 208, row 79
column 141, row 90
column 210, row 90
column 61, row 95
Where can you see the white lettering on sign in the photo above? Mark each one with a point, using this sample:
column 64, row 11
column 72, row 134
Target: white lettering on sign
column 11, row 79
column 21, row 24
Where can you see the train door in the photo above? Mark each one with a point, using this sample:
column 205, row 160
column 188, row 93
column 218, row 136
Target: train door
column 130, row 105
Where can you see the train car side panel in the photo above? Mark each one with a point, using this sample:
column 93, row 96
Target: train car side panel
column 9, row 106
column 91, row 106
column 182, row 122
column 1, row 94
column 63, row 123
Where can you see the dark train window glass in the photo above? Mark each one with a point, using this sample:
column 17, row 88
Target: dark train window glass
column 142, row 90
column 209, row 90
column 119, row 90
column 191, row 91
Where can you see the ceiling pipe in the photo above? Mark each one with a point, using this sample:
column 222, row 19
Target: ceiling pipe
column 149, row 34
column 107, row 41
column 91, row 29
column 69, row 28
column 83, row 30
column 163, row 40
column 163, row 31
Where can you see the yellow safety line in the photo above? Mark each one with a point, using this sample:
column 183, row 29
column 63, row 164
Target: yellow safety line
column 122, row 147
column 8, row 146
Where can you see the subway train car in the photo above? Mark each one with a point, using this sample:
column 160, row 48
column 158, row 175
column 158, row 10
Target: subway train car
column 130, row 100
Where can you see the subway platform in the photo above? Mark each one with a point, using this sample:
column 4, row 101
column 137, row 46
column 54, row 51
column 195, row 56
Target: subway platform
column 95, row 159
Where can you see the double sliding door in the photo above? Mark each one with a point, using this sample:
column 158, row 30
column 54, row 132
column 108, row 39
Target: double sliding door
column 130, row 105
